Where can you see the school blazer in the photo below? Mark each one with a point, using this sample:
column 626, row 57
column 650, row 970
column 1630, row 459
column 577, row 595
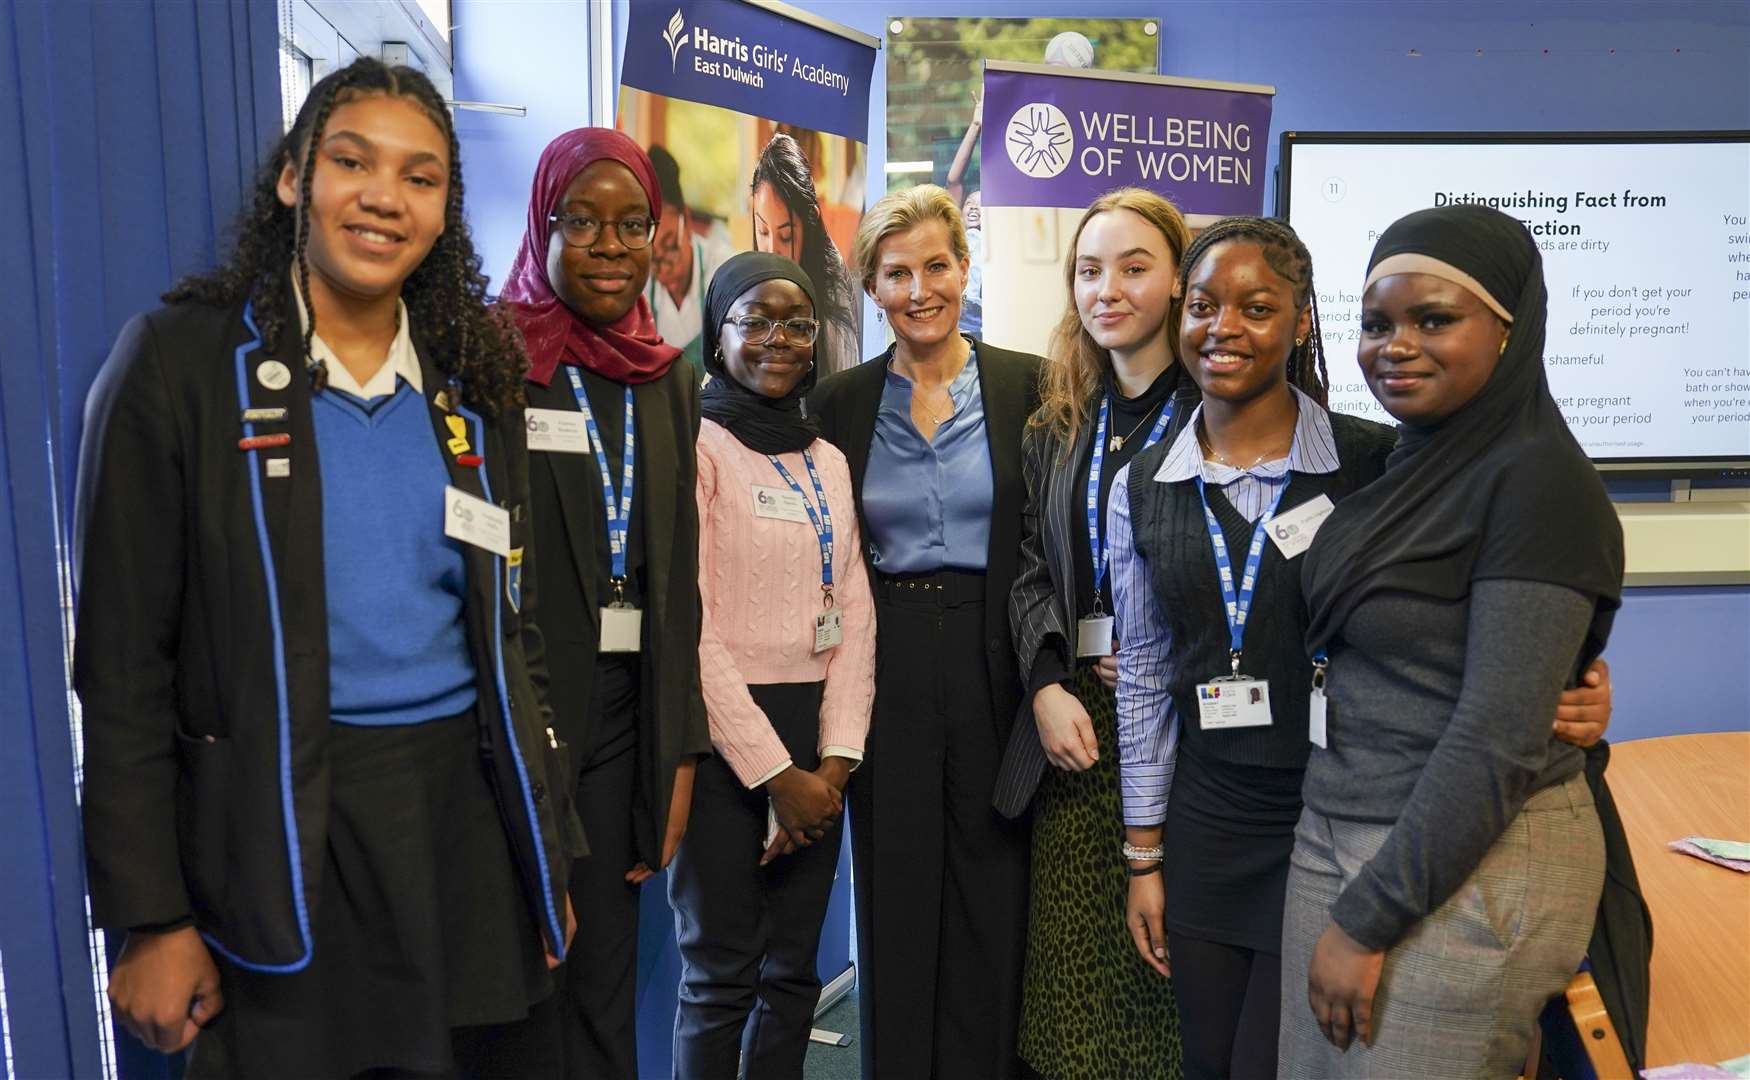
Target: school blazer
column 671, row 707
column 846, row 405
column 202, row 656
column 1043, row 601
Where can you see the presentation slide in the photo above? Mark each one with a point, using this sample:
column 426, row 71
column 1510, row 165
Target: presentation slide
column 1646, row 251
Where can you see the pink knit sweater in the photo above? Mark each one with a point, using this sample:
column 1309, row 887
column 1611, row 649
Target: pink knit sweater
column 759, row 579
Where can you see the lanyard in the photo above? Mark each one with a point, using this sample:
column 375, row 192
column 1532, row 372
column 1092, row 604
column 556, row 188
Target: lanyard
column 1096, row 542
column 822, row 521
column 1240, row 604
column 619, row 512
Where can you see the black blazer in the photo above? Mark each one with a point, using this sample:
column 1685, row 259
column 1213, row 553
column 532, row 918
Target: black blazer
column 671, row 709
column 846, row 405
column 202, row 654
column 1043, row 601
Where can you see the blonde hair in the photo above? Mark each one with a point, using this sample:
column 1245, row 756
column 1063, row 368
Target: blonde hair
column 1076, row 364
column 897, row 211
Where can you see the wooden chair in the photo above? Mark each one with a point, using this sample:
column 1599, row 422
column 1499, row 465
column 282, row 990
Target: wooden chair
column 1578, row 1037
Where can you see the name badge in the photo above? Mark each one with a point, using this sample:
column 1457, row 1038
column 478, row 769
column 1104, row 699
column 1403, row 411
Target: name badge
column 1233, row 703
column 1315, row 725
column 558, row 431
column 1293, row 531
column 622, row 628
column 829, row 630
column 473, row 520
column 780, row 504
column 1094, row 635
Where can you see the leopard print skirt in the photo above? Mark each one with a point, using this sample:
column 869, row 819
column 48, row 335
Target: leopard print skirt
column 1092, row 1008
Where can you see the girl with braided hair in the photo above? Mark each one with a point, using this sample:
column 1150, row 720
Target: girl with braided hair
column 323, row 798
column 1215, row 701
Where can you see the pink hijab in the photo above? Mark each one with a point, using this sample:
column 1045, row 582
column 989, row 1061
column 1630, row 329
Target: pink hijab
column 627, row 350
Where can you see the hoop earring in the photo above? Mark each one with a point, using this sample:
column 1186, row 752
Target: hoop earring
column 1503, row 351
column 1299, row 341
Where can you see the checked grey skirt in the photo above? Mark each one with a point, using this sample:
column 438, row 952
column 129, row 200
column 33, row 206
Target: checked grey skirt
column 1460, row 992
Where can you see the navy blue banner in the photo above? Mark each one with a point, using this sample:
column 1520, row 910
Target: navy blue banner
column 752, row 60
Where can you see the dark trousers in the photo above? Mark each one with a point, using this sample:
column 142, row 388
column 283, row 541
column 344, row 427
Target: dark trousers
column 601, row 969
column 941, row 878
column 1230, row 1004
column 749, row 934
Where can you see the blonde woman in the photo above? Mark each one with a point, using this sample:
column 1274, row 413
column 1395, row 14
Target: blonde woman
column 932, row 432
column 1092, row 1008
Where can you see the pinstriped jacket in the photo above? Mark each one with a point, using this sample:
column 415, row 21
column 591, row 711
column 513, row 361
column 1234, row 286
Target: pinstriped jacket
column 1043, row 599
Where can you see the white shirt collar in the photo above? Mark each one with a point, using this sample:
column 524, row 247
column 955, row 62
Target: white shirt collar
column 1313, row 450
column 402, row 361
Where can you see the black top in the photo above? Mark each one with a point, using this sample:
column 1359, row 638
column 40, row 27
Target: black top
column 1130, row 419
column 658, row 687
column 1171, row 536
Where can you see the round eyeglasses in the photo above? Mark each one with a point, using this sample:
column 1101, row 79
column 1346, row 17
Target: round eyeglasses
column 582, row 231
column 759, row 330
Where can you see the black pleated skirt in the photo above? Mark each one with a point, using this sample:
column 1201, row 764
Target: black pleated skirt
column 422, row 928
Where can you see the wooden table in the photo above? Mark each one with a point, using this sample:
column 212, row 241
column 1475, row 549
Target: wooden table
column 1666, row 789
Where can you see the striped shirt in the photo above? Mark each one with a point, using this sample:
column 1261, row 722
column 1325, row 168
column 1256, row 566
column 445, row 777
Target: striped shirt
column 1148, row 727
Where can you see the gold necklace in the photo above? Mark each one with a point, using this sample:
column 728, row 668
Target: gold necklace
column 1118, row 441
column 1209, row 450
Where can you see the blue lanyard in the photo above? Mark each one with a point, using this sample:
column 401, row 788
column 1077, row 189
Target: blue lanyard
column 1238, row 604
column 1096, row 541
column 619, row 512
column 822, row 521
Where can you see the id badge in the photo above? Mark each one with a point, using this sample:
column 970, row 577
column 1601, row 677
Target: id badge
column 1293, row 531
column 1233, row 703
column 557, row 431
column 622, row 626
column 473, row 520
column 829, row 630
column 1315, row 721
column 779, row 504
column 1094, row 635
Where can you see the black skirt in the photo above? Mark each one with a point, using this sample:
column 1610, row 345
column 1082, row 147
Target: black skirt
column 1229, row 832
column 421, row 924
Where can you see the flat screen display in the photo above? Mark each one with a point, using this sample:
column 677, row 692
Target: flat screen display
column 1646, row 251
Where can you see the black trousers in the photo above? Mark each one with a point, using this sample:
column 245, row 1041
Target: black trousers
column 599, row 990
column 748, row 934
column 941, row 877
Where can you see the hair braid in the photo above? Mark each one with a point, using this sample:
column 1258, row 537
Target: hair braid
column 472, row 344
column 1289, row 258
column 318, row 369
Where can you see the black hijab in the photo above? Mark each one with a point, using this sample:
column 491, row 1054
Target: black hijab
column 1499, row 489
column 762, row 424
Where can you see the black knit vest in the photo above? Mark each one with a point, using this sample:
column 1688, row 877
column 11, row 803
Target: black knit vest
column 1173, row 539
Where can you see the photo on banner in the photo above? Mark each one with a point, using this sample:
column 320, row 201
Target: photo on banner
column 757, row 124
column 935, row 83
column 1069, row 136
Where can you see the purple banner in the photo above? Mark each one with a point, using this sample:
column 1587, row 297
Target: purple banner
column 1063, row 140
column 751, row 60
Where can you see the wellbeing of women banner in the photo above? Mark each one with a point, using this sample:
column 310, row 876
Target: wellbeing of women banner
column 759, row 114
column 1062, row 138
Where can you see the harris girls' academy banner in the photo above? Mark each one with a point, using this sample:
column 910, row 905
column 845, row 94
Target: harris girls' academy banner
column 1069, row 136
column 756, row 115
column 765, row 59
